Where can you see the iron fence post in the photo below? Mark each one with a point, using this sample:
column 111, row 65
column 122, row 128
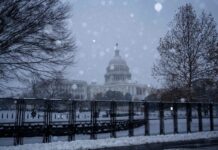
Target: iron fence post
column 188, row 117
column 72, row 119
column 161, row 117
column 146, row 118
column 175, row 117
column 199, row 117
column 113, row 108
column 47, row 120
column 131, row 113
column 20, row 118
column 93, row 119
column 211, row 117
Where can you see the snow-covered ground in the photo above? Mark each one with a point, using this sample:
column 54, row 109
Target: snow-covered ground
column 124, row 141
column 199, row 148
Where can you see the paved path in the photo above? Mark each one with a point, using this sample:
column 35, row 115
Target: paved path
column 198, row 148
column 202, row 144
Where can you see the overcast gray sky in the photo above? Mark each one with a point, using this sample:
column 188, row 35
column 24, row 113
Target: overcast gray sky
column 136, row 25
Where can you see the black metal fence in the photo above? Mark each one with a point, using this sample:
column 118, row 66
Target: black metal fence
column 21, row 118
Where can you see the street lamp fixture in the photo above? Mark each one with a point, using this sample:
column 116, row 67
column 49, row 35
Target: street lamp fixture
column 171, row 108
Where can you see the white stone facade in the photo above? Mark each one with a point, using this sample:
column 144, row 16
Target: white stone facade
column 78, row 89
column 137, row 91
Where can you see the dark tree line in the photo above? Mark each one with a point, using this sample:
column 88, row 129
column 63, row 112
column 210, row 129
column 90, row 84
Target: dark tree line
column 188, row 52
column 34, row 39
column 56, row 87
column 113, row 95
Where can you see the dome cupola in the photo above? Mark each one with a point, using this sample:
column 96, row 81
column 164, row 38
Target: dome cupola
column 117, row 70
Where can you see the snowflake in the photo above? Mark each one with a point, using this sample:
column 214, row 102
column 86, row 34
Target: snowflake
column 158, row 7
column 58, row 43
column 182, row 100
column 103, row 3
column 110, row 2
column 15, row 102
column 94, row 41
column 145, row 47
column 126, row 55
column 84, row 24
column 48, row 29
column 172, row 50
column 140, row 33
column 132, row 15
column 74, row 86
column 111, row 67
column 81, row 72
column 125, row 3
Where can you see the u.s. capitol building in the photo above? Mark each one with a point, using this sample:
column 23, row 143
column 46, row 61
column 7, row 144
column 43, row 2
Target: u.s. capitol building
column 118, row 78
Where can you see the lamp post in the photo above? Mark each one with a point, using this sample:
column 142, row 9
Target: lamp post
column 171, row 110
column 33, row 113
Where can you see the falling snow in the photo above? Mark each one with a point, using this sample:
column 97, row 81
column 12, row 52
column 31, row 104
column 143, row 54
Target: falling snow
column 93, row 41
column 131, row 15
column 144, row 47
column 125, row 3
column 84, row 24
column 126, row 55
column 74, row 86
column 58, row 43
column 81, row 72
column 111, row 67
column 103, row 3
column 158, row 7
column 48, row 29
column 136, row 25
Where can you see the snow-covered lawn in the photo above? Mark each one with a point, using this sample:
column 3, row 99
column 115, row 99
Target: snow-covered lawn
column 124, row 141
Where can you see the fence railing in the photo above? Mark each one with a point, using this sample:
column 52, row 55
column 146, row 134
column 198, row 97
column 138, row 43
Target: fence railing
column 21, row 118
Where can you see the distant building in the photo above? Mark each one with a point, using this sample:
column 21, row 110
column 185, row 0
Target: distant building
column 118, row 78
column 79, row 89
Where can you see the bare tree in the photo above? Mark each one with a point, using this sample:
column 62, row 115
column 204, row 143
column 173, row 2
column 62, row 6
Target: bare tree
column 56, row 87
column 34, row 38
column 185, row 49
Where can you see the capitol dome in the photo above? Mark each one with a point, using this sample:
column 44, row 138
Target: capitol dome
column 117, row 70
